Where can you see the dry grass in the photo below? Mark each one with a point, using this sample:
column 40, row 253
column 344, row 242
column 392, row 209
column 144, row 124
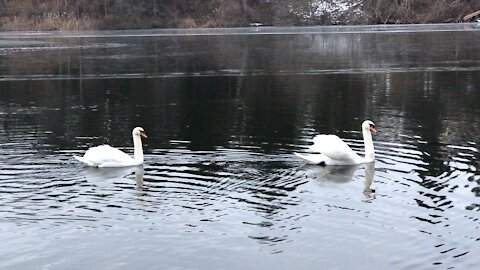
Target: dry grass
column 187, row 23
column 123, row 14
column 46, row 22
column 51, row 22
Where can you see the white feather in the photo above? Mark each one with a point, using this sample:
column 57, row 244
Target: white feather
column 334, row 151
column 107, row 156
column 313, row 159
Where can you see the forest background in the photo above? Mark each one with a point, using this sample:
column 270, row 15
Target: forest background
column 144, row 14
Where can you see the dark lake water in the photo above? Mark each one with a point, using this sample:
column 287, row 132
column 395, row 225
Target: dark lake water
column 224, row 111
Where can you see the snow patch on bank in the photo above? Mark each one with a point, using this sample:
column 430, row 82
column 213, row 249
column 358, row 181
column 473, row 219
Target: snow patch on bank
column 338, row 11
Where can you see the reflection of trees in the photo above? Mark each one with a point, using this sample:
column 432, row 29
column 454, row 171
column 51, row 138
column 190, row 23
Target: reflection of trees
column 257, row 90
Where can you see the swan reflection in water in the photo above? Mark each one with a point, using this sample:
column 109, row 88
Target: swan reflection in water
column 344, row 174
column 102, row 177
column 139, row 171
column 368, row 190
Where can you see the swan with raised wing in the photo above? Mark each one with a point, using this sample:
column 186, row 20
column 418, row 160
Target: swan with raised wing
column 334, row 151
column 107, row 156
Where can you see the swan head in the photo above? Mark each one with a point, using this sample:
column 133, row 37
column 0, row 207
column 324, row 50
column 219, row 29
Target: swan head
column 138, row 131
column 369, row 125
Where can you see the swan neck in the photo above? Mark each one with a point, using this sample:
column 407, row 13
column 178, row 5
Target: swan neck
column 368, row 143
column 138, row 149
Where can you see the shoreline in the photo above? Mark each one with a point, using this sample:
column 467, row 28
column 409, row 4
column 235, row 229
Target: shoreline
column 252, row 30
column 70, row 15
column 69, row 23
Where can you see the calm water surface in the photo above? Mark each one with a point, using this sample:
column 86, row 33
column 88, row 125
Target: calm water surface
column 224, row 111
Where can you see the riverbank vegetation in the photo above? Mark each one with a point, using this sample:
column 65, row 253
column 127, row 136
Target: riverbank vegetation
column 134, row 14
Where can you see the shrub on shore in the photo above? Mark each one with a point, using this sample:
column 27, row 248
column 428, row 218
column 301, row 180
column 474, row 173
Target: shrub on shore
column 122, row 14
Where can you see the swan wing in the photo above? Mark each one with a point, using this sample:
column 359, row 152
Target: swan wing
column 85, row 161
column 335, row 149
column 312, row 158
column 106, row 156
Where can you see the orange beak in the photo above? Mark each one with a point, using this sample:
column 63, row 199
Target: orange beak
column 373, row 129
column 143, row 134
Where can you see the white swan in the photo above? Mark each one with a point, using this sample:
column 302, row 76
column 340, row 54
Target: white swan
column 334, row 151
column 107, row 156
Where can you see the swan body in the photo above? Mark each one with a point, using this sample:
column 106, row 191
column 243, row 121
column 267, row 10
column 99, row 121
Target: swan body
column 334, row 151
column 107, row 156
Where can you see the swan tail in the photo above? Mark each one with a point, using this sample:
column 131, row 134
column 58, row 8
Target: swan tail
column 313, row 159
column 84, row 161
